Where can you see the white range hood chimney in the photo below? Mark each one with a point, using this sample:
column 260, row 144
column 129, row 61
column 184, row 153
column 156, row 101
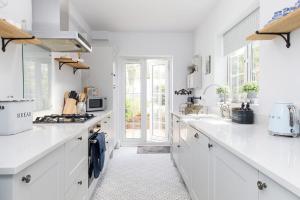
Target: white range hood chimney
column 50, row 24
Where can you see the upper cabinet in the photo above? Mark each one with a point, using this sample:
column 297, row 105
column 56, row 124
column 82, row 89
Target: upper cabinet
column 281, row 27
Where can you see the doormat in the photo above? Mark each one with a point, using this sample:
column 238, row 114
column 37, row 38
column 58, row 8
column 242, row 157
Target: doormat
column 153, row 149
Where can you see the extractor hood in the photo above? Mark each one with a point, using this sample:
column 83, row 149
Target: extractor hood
column 51, row 25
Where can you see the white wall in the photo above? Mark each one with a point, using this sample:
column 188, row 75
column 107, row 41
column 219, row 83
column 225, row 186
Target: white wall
column 176, row 45
column 209, row 40
column 280, row 69
column 11, row 81
column 280, row 66
column 101, row 68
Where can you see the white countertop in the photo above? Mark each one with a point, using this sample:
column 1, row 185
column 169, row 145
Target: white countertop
column 21, row 150
column 276, row 157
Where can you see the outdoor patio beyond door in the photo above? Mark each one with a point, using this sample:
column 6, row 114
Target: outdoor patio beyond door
column 146, row 101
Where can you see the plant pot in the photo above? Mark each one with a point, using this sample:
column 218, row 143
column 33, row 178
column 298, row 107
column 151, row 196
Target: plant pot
column 222, row 97
column 251, row 95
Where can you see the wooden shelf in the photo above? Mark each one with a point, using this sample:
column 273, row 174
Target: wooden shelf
column 71, row 63
column 9, row 32
column 281, row 27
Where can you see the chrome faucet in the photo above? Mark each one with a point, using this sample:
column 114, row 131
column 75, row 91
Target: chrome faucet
column 205, row 90
column 209, row 86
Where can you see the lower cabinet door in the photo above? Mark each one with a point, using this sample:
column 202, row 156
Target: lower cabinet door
column 175, row 139
column 231, row 178
column 270, row 190
column 200, row 166
column 44, row 180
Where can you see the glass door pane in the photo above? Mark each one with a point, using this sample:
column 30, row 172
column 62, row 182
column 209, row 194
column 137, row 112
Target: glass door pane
column 157, row 102
column 133, row 101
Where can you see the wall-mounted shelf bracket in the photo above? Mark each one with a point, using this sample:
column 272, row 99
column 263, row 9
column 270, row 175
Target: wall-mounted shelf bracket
column 62, row 63
column 75, row 70
column 6, row 41
column 286, row 37
column 183, row 92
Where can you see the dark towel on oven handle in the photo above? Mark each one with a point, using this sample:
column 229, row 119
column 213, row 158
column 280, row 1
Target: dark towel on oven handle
column 97, row 152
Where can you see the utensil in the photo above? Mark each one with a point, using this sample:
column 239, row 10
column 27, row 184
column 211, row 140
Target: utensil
column 81, row 108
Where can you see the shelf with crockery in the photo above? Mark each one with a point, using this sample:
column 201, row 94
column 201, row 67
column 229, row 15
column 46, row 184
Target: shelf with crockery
column 281, row 27
column 11, row 33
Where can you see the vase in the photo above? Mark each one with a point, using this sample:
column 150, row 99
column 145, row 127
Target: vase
column 251, row 96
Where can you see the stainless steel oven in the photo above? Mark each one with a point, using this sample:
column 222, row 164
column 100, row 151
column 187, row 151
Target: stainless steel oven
column 96, row 104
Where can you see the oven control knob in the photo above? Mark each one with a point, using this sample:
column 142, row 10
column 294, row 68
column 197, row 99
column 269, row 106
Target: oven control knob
column 98, row 125
column 91, row 131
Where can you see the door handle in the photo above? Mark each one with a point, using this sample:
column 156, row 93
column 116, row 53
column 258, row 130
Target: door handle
column 210, row 146
column 261, row 185
column 80, row 138
column 26, row 178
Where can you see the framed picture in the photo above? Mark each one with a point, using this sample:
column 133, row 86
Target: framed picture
column 208, row 65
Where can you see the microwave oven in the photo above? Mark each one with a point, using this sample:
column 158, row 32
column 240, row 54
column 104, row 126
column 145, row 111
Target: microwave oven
column 96, row 104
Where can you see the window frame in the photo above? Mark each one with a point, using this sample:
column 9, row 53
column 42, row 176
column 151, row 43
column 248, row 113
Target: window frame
column 249, row 62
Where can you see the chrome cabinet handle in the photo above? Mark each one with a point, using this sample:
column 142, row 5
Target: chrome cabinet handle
column 79, row 182
column 210, row 146
column 261, row 185
column 26, row 178
column 196, row 136
column 80, row 138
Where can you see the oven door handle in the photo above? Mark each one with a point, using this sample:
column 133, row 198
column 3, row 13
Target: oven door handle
column 93, row 141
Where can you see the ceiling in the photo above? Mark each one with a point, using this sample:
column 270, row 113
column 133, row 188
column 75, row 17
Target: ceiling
column 144, row 15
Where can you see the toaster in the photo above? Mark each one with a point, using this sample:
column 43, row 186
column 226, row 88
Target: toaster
column 284, row 120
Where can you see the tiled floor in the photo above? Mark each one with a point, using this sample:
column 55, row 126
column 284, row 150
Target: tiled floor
column 132, row 176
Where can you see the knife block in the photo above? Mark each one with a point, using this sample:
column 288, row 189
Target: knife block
column 70, row 107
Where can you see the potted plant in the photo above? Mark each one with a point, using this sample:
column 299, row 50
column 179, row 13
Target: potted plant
column 223, row 93
column 251, row 89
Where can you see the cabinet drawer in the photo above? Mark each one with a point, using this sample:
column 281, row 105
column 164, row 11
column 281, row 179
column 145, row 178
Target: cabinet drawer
column 76, row 152
column 75, row 174
column 78, row 189
column 42, row 180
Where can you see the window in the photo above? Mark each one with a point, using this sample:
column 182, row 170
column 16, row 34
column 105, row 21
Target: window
column 243, row 67
column 37, row 76
column 242, row 57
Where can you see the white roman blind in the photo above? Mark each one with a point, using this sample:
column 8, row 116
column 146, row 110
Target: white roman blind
column 235, row 38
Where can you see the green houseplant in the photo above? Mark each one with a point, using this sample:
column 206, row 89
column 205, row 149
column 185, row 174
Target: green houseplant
column 223, row 93
column 251, row 89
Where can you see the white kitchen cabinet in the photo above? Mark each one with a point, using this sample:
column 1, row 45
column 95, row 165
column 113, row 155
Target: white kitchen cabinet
column 231, row 178
column 270, row 190
column 43, row 180
column 199, row 172
column 107, row 127
column 185, row 157
column 76, row 157
column 175, row 139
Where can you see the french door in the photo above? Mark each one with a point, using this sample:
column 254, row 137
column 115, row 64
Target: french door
column 145, row 101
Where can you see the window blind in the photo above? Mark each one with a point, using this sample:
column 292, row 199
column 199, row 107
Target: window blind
column 235, row 38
